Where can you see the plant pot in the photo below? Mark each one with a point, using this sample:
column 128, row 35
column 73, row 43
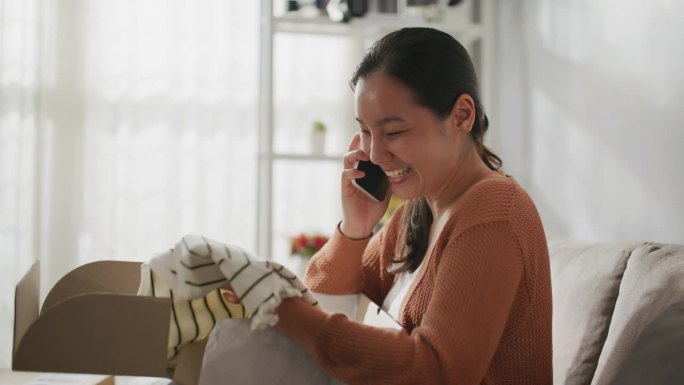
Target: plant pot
column 317, row 142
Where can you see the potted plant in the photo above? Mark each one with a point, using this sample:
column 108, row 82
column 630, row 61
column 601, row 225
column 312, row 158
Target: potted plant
column 318, row 129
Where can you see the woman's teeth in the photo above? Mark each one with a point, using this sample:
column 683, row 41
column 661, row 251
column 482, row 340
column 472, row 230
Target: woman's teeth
column 398, row 173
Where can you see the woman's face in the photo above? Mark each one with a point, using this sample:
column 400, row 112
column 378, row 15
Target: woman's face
column 418, row 151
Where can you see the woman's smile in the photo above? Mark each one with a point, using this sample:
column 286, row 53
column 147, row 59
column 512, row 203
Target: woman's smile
column 398, row 175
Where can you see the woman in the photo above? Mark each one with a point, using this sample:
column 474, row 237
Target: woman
column 463, row 265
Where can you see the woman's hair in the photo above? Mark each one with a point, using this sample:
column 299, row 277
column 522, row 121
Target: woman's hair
column 437, row 69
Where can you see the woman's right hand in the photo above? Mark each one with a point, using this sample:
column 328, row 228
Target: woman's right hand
column 360, row 213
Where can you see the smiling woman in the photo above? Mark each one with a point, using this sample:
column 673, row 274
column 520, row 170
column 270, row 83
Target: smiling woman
column 409, row 98
column 463, row 266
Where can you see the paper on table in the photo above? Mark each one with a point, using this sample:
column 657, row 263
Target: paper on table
column 131, row 380
column 72, row 379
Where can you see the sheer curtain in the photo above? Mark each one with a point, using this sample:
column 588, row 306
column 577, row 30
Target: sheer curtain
column 123, row 126
column 20, row 29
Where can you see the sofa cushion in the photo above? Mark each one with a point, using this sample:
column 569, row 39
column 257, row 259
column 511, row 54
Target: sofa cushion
column 658, row 355
column 585, row 280
column 652, row 284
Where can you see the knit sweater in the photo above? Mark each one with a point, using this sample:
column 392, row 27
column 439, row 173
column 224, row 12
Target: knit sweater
column 479, row 313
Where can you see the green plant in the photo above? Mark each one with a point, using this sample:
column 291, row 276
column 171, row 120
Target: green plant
column 318, row 126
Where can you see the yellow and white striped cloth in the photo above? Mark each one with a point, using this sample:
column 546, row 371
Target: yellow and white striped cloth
column 191, row 320
column 191, row 275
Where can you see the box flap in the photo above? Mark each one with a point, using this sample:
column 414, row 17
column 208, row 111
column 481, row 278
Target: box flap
column 189, row 363
column 122, row 277
column 26, row 303
column 101, row 334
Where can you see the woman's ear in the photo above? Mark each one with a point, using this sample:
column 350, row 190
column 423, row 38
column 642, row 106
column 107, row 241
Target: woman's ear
column 463, row 113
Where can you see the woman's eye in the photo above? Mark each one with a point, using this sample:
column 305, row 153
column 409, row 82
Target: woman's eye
column 394, row 133
column 364, row 131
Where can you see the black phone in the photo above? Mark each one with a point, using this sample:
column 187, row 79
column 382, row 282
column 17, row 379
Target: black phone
column 374, row 184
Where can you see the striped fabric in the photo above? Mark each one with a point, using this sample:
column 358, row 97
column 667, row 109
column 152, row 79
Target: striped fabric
column 191, row 275
column 191, row 320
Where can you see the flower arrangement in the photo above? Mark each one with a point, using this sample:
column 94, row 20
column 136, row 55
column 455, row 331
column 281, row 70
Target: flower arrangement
column 307, row 245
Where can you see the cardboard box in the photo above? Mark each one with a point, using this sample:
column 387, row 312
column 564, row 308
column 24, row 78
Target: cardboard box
column 93, row 322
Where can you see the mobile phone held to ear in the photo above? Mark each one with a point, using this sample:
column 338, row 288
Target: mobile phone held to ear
column 374, row 184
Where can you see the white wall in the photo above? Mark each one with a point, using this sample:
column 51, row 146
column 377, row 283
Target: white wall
column 589, row 114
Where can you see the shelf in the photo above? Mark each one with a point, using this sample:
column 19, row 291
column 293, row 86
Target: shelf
column 308, row 157
column 370, row 25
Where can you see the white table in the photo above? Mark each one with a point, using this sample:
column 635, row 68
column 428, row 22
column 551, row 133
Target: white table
column 8, row 377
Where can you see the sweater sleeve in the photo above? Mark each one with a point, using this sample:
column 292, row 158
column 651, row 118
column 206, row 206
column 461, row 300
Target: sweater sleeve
column 474, row 289
column 347, row 266
column 337, row 268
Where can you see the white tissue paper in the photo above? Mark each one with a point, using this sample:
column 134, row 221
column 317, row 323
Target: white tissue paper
column 236, row 354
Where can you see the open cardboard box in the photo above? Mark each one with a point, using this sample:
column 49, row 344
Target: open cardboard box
column 92, row 321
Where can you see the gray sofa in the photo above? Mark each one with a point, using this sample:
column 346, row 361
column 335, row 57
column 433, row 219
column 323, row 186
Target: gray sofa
column 618, row 313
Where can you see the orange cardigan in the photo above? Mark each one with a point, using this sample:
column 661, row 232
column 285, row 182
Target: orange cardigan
column 479, row 314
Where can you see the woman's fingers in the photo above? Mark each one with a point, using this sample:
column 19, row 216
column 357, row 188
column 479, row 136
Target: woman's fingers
column 352, row 173
column 230, row 297
column 352, row 157
column 228, row 294
column 355, row 153
column 355, row 142
column 348, row 175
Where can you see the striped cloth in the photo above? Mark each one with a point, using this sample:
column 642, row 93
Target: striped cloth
column 191, row 320
column 191, row 275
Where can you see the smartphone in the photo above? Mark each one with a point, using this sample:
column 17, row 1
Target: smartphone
column 374, row 184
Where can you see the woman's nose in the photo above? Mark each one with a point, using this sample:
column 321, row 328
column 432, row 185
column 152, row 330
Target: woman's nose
column 377, row 151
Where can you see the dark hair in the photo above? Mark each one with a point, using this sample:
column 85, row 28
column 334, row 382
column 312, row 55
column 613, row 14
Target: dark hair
column 437, row 69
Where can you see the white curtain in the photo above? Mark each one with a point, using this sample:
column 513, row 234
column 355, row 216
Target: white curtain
column 123, row 126
column 19, row 34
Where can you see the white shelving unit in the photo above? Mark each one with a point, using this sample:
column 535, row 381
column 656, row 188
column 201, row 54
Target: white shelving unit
column 469, row 22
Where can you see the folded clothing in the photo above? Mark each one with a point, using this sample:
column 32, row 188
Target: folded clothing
column 191, row 320
column 192, row 274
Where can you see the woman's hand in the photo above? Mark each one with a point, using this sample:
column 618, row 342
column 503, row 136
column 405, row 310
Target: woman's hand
column 228, row 294
column 360, row 213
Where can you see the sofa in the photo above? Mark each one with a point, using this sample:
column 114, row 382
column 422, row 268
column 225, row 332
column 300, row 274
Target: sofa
column 618, row 316
column 618, row 312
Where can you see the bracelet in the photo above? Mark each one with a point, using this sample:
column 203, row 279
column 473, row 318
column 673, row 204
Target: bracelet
column 348, row 237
